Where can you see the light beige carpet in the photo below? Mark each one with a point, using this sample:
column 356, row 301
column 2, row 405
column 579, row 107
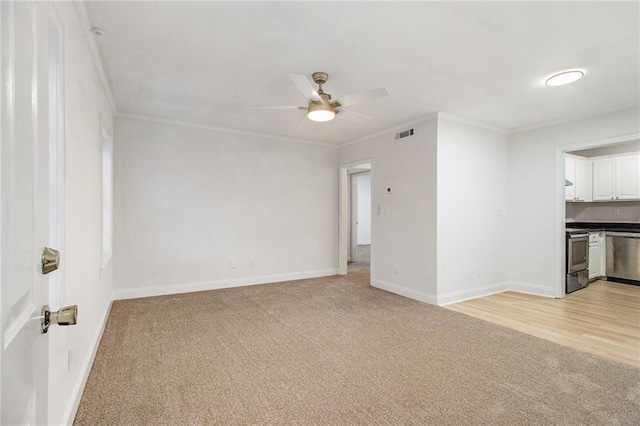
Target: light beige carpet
column 336, row 351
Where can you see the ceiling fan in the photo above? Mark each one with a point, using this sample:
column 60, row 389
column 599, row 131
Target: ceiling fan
column 321, row 107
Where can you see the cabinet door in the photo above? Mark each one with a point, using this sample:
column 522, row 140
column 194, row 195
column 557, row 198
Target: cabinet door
column 594, row 262
column 603, row 179
column 580, row 183
column 628, row 177
column 570, row 175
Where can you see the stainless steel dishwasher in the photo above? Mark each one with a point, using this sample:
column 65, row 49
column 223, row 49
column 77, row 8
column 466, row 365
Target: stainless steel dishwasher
column 623, row 257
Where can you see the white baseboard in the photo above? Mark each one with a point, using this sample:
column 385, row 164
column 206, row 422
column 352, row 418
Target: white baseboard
column 535, row 289
column 135, row 293
column 474, row 293
column 487, row 290
column 404, row 291
column 78, row 388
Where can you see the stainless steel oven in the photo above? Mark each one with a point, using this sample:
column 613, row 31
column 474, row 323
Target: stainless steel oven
column 577, row 260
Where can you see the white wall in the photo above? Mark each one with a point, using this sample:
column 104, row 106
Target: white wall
column 472, row 211
column 189, row 201
column 363, row 184
column 536, row 194
column 86, row 284
column 404, row 234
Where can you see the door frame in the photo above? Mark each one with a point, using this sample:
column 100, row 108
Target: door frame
column 57, row 218
column 344, row 201
column 560, row 212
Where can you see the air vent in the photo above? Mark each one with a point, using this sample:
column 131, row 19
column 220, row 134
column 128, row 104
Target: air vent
column 404, row 134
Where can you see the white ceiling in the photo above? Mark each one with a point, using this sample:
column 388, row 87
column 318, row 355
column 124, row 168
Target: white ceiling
column 208, row 62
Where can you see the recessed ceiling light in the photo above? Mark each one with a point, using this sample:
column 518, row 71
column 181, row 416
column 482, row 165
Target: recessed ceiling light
column 564, row 77
column 97, row 31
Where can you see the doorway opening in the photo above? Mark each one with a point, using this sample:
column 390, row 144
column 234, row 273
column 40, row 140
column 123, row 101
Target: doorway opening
column 579, row 182
column 356, row 185
column 360, row 223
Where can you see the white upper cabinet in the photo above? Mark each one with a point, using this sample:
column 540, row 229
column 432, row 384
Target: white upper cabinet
column 616, row 178
column 628, row 177
column 603, row 176
column 577, row 172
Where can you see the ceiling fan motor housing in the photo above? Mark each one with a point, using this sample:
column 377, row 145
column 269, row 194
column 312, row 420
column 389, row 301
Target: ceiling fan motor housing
column 320, row 77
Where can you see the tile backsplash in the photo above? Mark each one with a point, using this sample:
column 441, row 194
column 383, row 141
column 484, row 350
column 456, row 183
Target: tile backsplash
column 623, row 211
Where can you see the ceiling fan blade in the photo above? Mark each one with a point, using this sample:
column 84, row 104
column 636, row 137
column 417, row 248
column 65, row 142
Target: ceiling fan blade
column 352, row 116
column 304, row 86
column 280, row 107
column 367, row 95
column 305, row 121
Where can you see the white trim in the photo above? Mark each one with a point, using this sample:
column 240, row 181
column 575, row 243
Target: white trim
column 471, row 123
column 105, row 141
column 393, row 129
column 85, row 23
column 600, row 143
column 488, row 290
column 404, row 291
column 161, row 290
column 56, row 284
column 528, row 288
column 473, row 293
column 228, row 130
column 619, row 108
column 2, row 231
column 76, row 394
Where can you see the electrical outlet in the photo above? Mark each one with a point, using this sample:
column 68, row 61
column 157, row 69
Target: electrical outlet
column 69, row 360
column 397, row 268
column 478, row 271
column 251, row 263
column 233, row 264
column 616, row 212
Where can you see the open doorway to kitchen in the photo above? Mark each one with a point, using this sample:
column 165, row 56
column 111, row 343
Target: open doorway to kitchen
column 355, row 218
column 598, row 189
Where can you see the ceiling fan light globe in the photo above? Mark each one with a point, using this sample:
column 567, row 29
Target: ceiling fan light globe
column 320, row 112
column 321, row 115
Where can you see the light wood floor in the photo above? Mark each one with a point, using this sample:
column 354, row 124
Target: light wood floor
column 603, row 319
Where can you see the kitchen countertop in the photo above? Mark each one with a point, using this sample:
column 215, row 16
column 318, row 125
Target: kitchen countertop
column 572, row 227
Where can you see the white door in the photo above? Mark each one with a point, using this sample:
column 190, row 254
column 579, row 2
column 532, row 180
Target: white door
column 603, row 179
column 580, row 183
column 594, row 261
column 628, row 177
column 24, row 177
column 570, row 175
column 353, row 235
column 364, row 208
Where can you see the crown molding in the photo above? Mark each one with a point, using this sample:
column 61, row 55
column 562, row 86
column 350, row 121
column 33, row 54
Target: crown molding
column 228, row 130
column 619, row 108
column 85, row 24
column 454, row 118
